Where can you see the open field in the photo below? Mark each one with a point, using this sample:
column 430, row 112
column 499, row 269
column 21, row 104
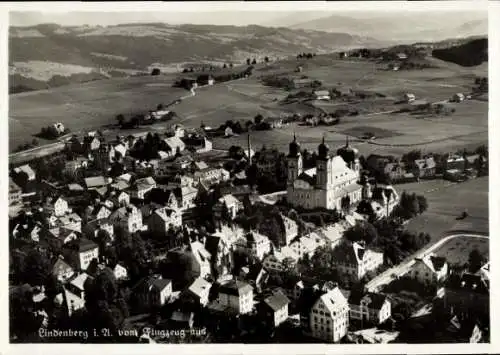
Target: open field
column 93, row 104
column 446, row 202
column 86, row 105
column 457, row 250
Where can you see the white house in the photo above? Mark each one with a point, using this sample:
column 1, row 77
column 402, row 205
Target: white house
column 103, row 213
column 232, row 204
column 329, row 317
column 62, row 270
column 458, row 97
column 237, row 295
column 130, row 218
column 143, row 186
column 61, row 207
column 257, row 244
column 202, row 258
column 163, row 219
column 322, row 95
column 27, row 170
column 430, row 269
column 354, row 260
column 275, row 309
column 120, row 272
column 372, row 308
column 87, row 251
column 409, row 97
column 199, row 290
column 291, row 229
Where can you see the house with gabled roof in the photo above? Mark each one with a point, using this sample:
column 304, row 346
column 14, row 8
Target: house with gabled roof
column 425, row 168
column 430, row 269
column 369, row 308
column 153, row 291
column 59, row 236
column 201, row 258
column 81, row 252
column 236, row 295
column 354, row 260
column 274, row 309
column 163, row 219
column 467, row 295
column 61, row 207
column 62, row 270
column 103, row 213
column 329, row 318
column 198, row 292
column 143, row 186
column 130, row 218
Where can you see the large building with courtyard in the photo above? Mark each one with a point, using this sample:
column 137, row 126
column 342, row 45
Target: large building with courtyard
column 332, row 184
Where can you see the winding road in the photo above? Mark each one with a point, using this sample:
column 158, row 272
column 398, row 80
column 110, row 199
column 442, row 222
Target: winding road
column 401, row 269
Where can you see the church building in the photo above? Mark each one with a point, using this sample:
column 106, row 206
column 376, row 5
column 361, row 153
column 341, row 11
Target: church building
column 332, row 184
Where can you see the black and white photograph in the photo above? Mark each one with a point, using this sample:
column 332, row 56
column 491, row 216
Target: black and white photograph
column 295, row 176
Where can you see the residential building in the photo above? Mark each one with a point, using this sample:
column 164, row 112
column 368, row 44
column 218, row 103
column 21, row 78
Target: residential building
column 458, row 97
column 103, row 213
column 236, row 295
column 430, row 269
column 199, row 291
column 291, row 229
column 201, row 258
column 129, row 218
column 120, row 272
column 71, row 221
column 15, row 193
column 62, row 270
column 153, row 291
column 467, row 295
column 301, row 83
column 329, row 318
column 164, row 219
column 57, row 237
column 143, row 186
column 322, row 95
column 27, row 170
column 409, row 97
column 455, row 162
column 331, row 185
column 370, row 308
column 221, row 253
column 274, row 309
column 425, row 168
column 77, row 285
column 174, row 145
column 257, row 244
column 231, row 203
column 82, row 252
column 95, row 182
column 307, row 244
column 354, row 260
column 280, row 260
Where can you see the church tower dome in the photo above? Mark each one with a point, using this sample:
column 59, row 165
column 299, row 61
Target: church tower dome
column 348, row 153
column 294, row 147
column 323, row 150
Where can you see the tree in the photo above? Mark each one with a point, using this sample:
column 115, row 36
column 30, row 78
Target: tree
column 248, row 61
column 363, row 231
column 476, row 260
column 37, row 268
column 120, row 118
column 155, row 71
column 159, row 107
column 422, row 204
column 254, row 61
column 258, row 119
column 224, row 66
column 266, row 59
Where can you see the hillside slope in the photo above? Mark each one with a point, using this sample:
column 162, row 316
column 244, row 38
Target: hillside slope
column 129, row 48
column 469, row 54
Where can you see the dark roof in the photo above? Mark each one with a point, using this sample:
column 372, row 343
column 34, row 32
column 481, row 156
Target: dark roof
column 212, row 244
column 160, row 284
column 438, row 262
column 276, row 301
column 235, row 287
column 469, row 282
column 85, row 245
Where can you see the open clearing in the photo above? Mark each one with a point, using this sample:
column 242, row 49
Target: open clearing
column 457, row 250
column 446, row 202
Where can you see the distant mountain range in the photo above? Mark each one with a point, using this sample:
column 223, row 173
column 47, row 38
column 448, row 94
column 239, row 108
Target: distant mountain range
column 409, row 27
column 37, row 52
column 50, row 55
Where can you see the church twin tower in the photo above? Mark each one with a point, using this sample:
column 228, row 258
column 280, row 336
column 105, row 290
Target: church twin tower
column 330, row 184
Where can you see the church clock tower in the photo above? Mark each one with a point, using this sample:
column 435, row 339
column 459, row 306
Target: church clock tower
column 294, row 161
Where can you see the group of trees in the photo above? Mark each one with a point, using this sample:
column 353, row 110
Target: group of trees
column 251, row 61
column 468, row 54
column 25, row 146
column 410, row 205
column 147, row 149
column 306, row 55
column 51, row 132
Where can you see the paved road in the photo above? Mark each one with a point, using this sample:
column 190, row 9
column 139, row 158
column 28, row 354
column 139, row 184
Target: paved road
column 401, row 269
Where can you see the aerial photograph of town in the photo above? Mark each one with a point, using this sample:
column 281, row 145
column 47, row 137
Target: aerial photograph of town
column 298, row 177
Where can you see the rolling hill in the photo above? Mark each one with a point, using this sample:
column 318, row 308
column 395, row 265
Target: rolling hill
column 409, row 27
column 82, row 53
